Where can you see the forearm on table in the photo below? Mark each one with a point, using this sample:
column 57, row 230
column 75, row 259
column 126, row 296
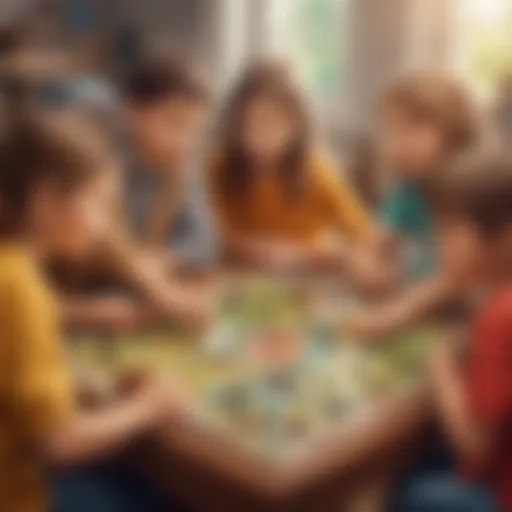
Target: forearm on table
column 246, row 248
column 368, row 263
column 89, row 436
column 416, row 303
column 81, row 311
column 125, row 262
column 160, row 293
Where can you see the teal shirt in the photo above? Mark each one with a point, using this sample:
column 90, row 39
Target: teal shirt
column 405, row 212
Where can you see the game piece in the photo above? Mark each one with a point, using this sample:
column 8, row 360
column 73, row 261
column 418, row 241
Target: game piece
column 297, row 427
column 282, row 383
column 235, row 398
column 336, row 407
column 222, row 339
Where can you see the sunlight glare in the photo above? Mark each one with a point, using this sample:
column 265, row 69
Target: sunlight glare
column 488, row 10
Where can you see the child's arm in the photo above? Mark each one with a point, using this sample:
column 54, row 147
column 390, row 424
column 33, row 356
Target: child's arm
column 119, row 255
column 451, row 397
column 360, row 249
column 338, row 202
column 152, row 282
column 475, row 409
column 263, row 253
column 355, row 262
column 88, row 435
column 112, row 312
column 403, row 311
column 42, row 401
column 278, row 255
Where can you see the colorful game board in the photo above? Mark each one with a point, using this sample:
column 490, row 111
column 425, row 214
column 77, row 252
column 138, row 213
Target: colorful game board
column 274, row 370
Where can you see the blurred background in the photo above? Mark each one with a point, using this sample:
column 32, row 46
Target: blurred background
column 347, row 51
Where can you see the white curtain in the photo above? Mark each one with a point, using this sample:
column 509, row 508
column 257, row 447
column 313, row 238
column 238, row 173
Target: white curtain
column 433, row 33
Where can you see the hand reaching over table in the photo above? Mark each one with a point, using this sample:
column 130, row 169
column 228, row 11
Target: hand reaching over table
column 364, row 326
column 369, row 272
column 124, row 315
column 116, row 313
column 414, row 305
column 85, row 435
column 160, row 401
column 279, row 257
column 186, row 305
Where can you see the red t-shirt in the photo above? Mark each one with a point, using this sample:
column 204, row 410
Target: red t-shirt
column 490, row 389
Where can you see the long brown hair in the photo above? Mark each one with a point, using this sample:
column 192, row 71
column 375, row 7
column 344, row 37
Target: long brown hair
column 272, row 79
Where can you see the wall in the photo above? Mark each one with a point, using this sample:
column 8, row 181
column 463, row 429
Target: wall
column 183, row 25
column 11, row 9
column 376, row 53
column 388, row 37
column 385, row 37
column 432, row 33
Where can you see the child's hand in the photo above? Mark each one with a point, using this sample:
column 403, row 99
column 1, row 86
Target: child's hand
column 187, row 306
column 386, row 244
column 362, row 326
column 369, row 272
column 129, row 318
column 119, row 314
column 195, row 313
column 440, row 360
column 282, row 257
column 327, row 259
column 162, row 403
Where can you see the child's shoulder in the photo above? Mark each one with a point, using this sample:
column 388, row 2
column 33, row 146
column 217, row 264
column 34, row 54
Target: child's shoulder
column 498, row 309
column 402, row 188
column 322, row 160
column 502, row 301
column 405, row 197
column 18, row 271
column 13, row 257
column 323, row 168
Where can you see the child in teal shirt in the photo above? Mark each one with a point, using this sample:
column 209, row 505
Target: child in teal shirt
column 426, row 121
column 405, row 212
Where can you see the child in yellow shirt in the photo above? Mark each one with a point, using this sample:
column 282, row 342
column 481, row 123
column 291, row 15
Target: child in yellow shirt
column 53, row 177
column 277, row 200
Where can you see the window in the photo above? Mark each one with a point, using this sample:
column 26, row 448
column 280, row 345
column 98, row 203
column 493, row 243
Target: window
column 311, row 32
column 486, row 42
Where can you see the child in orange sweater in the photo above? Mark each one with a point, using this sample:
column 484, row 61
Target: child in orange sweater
column 279, row 202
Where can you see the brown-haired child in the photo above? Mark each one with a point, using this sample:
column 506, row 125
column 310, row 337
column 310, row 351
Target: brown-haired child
column 165, row 103
column 474, row 213
column 159, row 211
column 278, row 200
column 427, row 120
column 54, row 177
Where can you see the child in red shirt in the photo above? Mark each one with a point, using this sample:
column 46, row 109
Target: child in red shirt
column 475, row 402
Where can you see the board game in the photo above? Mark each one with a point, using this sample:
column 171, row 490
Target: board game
column 274, row 371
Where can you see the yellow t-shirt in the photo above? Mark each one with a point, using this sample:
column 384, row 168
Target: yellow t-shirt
column 35, row 391
column 326, row 205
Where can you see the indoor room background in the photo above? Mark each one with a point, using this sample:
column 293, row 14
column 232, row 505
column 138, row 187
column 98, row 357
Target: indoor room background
column 347, row 51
